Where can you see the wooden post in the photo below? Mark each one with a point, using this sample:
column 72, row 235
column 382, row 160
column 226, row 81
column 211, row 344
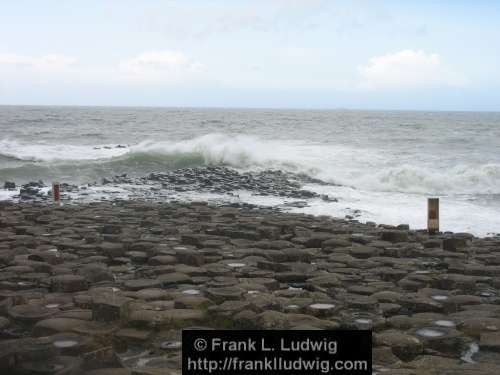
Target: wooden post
column 433, row 215
column 56, row 195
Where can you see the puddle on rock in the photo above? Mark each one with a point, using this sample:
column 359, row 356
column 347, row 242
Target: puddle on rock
column 236, row 265
column 429, row 332
column 65, row 343
column 322, row 306
column 363, row 321
column 171, row 344
column 191, row 292
column 439, row 297
column 444, row 323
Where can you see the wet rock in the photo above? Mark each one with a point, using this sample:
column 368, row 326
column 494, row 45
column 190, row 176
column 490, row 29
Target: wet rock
column 169, row 318
column 138, row 284
column 15, row 353
column 405, row 347
column 30, row 313
column 394, row 236
column 454, row 243
column 109, row 308
column 70, row 344
column 8, row 185
column 219, row 295
column 170, row 279
column 112, row 249
column 276, row 320
column 68, row 283
column 162, row 260
column 490, row 341
column 442, row 339
column 325, row 281
column 52, row 326
column 189, row 257
column 133, row 336
column 95, row 273
column 132, row 274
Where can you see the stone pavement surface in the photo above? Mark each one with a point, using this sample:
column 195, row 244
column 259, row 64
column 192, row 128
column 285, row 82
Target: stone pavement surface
column 106, row 288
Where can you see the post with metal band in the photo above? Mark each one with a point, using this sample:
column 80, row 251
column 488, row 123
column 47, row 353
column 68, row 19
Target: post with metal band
column 56, row 193
column 433, row 215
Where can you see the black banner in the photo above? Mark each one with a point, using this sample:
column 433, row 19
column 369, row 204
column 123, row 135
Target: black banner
column 271, row 352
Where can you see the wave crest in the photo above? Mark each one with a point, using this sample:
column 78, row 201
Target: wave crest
column 340, row 164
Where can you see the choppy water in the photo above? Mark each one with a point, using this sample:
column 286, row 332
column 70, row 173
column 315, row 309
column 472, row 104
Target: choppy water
column 386, row 163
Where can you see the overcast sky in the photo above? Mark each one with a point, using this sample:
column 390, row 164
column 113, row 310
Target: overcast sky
column 438, row 55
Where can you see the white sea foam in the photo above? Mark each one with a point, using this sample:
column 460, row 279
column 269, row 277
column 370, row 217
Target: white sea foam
column 365, row 169
column 57, row 152
column 384, row 186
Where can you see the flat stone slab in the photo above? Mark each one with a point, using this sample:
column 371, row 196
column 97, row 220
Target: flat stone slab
column 490, row 341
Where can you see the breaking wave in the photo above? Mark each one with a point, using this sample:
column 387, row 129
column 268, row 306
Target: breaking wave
column 340, row 164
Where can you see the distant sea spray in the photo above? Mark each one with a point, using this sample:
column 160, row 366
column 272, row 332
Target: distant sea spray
column 383, row 164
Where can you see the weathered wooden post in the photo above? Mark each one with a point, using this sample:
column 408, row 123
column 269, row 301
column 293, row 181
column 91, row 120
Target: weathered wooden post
column 56, row 194
column 433, row 215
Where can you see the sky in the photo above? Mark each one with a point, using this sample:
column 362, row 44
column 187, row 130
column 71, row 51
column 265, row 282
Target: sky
column 372, row 54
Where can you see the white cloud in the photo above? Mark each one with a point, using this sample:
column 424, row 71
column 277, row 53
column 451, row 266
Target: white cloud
column 160, row 64
column 408, row 69
column 46, row 62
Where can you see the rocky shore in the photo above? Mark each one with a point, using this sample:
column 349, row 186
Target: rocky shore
column 106, row 288
column 164, row 185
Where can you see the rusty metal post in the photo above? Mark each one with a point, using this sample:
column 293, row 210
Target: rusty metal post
column 56, row 193
column 433, row 215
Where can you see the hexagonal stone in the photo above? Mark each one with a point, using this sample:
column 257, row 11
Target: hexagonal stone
column 14, row 353
column 404, row 346
column 112, row 249
column 443, row 339
column 52, row 326
column 137, row 256
column 290, row 277
column 109, row 308
column 454, row 243
column 271, row 319
column 162, row 260
column 152, row 294
column 138, row 284
column 29, row 313
column 174, row 278
column 322, row 309
column 71, row 343
column 230, row 293
column 172, row 318
column 68, row 283
column 490, row 341
column 394, row 236
column 325, row 281
column 190, row 257
column 133, row 335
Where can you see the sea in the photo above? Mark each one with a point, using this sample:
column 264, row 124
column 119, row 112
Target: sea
column 381, row 166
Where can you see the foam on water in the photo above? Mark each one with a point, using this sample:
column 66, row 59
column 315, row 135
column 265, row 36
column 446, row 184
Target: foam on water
column 40, row 152
column 386, row 163
column 470, row 352
column 335, row 163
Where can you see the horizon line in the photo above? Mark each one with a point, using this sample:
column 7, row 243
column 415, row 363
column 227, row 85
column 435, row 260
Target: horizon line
column 250, row 108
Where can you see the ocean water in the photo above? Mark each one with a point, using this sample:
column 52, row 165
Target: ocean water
column 380, row 164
